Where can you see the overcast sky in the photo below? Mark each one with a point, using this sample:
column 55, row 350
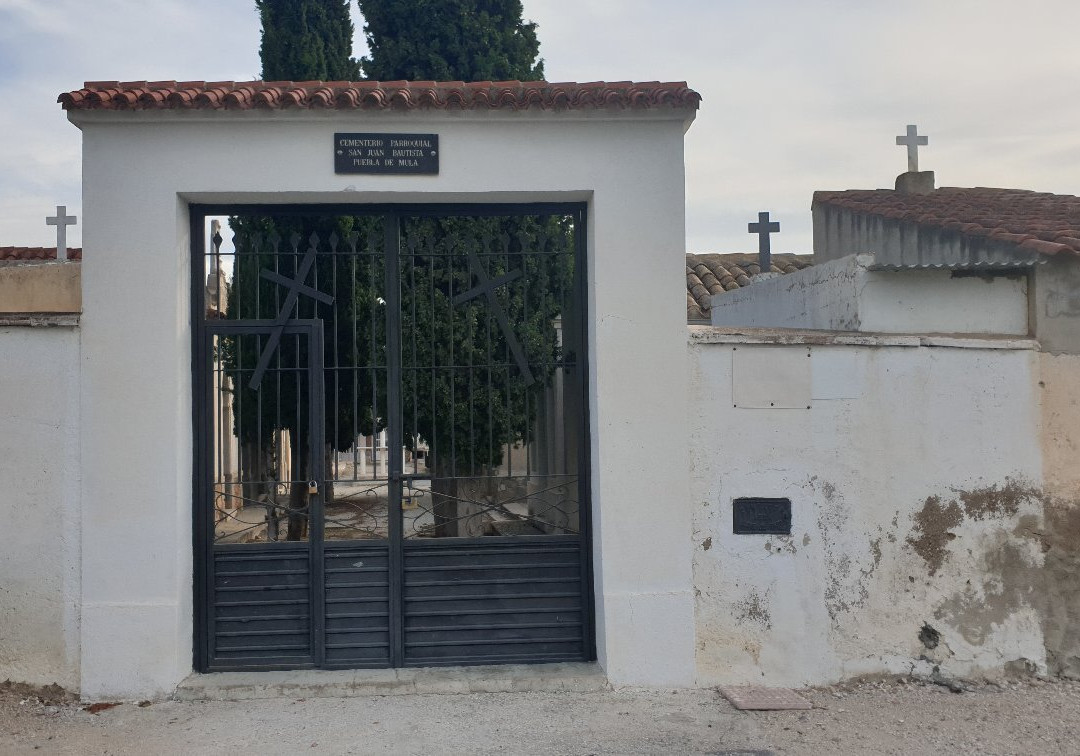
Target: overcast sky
column 799, row 95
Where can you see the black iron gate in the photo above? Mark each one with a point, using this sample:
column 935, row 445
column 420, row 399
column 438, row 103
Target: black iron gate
column 390, row 436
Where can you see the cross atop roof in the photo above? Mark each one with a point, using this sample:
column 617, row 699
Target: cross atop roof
column 912, row 141
column 763, row 228
column 61, row 220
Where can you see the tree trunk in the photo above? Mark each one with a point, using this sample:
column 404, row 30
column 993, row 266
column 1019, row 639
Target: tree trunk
column 299, row 513
column 454, row 503
column 443, row 500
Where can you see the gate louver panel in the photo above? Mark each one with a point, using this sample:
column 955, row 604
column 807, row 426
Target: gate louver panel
column 498, row 602
column 357, row 606
column 261, row 606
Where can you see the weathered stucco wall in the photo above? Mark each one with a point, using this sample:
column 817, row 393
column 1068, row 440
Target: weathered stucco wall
column 1059, row 386
column 846, row 295
column 923, row 533
column 40, row 287
column 1056, row 305
column 39, row 558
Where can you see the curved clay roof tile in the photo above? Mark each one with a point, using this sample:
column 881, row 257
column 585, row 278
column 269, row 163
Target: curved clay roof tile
column 266, row 98
column 401, row 98
column 429, row 98
column 456, row 98
column 374, row 98
column 294, row 97
column 511, row 95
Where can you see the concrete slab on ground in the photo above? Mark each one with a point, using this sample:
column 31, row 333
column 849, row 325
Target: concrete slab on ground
column 540, row 678
column 759, row 698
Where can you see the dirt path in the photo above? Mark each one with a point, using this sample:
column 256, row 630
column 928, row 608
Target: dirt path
column 887, row 718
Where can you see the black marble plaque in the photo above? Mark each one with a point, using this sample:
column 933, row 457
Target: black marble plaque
column 386, row 153
column 761, row 516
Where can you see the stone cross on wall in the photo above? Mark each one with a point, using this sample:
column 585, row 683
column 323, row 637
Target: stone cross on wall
column 61, row 220
column 912, row 141
column 763, row 228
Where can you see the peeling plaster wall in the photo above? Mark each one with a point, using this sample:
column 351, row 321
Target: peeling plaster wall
column 39, row 511
column 1056, row 305
column 1059, row 388
column 916, row 482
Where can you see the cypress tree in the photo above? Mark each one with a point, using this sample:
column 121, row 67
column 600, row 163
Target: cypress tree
column 306, row 40
column 469, row 40
column 302, row 40
column 449, row 40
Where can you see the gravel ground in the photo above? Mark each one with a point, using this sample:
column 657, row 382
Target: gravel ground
column 1037, row 717
column 902, row 717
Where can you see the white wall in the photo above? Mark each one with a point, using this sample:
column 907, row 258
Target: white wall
column 846, row 295
column 915, row 483
column 39, row 490
column 140, row 170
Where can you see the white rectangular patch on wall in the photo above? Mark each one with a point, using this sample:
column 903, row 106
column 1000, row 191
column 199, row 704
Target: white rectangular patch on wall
column 836, row 374
column 771, row 377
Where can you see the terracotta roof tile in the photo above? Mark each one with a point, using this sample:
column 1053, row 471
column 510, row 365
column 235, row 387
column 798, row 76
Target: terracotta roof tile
column 37, row 253
column 713, row 274
column 1042, row 223
column 378, row 95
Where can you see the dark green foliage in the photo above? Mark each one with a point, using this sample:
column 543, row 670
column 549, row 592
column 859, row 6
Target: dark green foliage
column 462, row 391
column 353, row 327
column 306, row 40
column 468, row 415
column 449, row 40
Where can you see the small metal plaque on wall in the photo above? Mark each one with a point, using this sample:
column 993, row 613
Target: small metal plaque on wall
column 760, row 516
column 386, row 153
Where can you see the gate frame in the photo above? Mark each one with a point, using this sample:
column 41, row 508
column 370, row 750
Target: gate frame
column 392, row 213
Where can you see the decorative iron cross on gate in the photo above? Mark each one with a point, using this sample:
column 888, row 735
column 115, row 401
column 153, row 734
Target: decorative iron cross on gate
column 487, row 287
column 763, row 228
column 296, row 287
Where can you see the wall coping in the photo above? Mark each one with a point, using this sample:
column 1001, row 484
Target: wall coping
column 703, row 334
column 39, row 319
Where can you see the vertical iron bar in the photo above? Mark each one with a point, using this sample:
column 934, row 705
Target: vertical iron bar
column 507, row 383
column 259, row 451
column 414, row 374
column 337, row 360
column 373, row 362
column 391, row 254
column 584, row 452
column 277, row 409
column 490, row 391
column 200, row 535
column 317, row 468
column 525, row 348
column 452, row 371
column 354, row 358
column 434, row 451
